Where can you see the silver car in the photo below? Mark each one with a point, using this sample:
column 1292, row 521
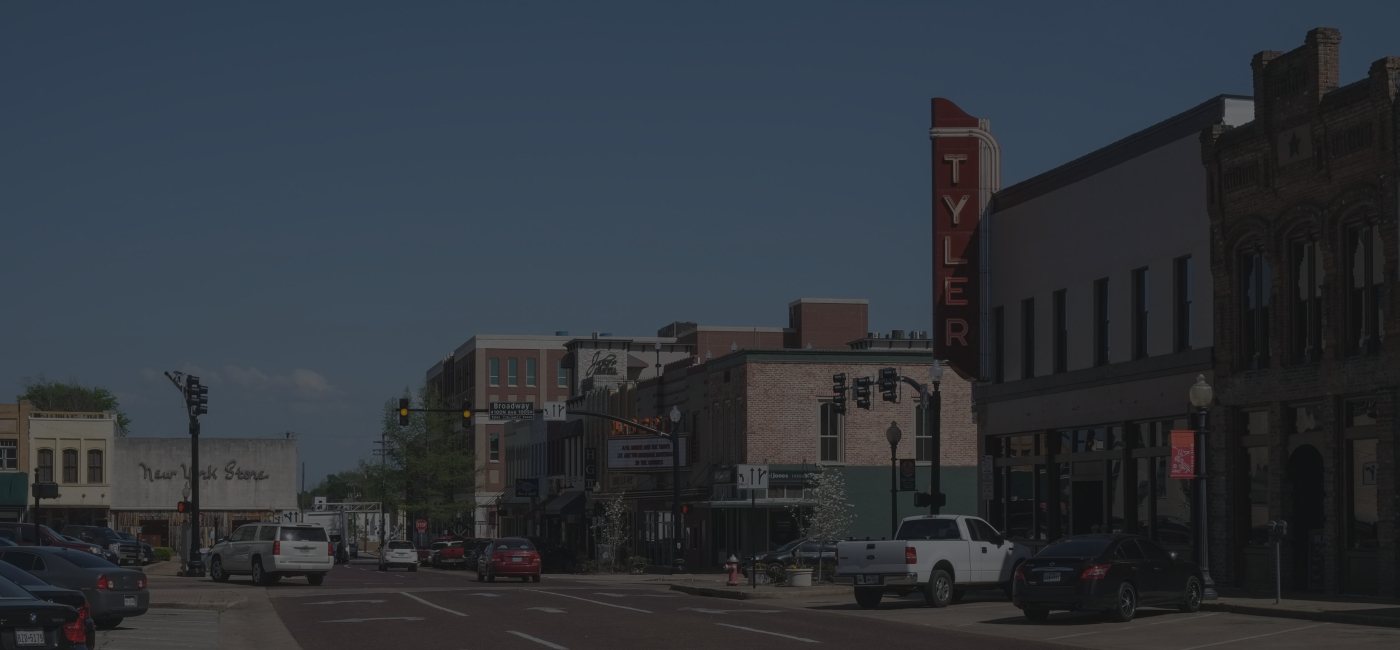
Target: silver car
column 398, row 553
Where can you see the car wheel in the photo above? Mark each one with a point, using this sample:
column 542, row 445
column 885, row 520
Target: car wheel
column 868, row 598
column 216, row 570
column 1191, row 600
column 1127, row 603
column 939, row 590
column 1036, row 614
column 316, row 579
column 259, row 578
column 108, row 623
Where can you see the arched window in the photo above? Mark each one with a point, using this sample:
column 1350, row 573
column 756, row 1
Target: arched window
column 94, row 466
column 1365, row 288
column 1255, row 295
column 70, row 465
column 43, row 471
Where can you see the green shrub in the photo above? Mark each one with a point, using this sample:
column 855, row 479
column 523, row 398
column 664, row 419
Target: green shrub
column 163, row 553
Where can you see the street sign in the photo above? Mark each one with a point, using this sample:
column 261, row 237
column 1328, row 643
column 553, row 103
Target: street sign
column 555, row 411
column 906, row 475
column 421, row 525
column 752, row 477
column 511, row 411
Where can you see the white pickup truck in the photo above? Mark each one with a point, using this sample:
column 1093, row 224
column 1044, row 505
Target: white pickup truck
column 941, row 555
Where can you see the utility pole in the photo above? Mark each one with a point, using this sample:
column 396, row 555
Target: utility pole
column 196, row 404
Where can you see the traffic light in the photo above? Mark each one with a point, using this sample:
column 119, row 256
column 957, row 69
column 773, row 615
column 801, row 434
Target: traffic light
column 196, row 396
column 863, row 393
column 685, row 508
column 403, row 411
column 838, row 392
column 889, row 384
column 466, row 413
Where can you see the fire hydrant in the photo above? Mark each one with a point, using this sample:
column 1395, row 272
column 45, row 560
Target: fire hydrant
column 732, row 566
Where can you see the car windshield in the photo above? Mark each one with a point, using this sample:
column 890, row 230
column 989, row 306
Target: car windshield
column 788, row 546
column 515, row 544
column 400, row 546
column 927, row 529
column 1076, row 547
column 20, row 576
column 303, row 534
column 10, row 590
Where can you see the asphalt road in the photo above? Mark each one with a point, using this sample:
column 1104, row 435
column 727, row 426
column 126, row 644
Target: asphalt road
column 359, row 607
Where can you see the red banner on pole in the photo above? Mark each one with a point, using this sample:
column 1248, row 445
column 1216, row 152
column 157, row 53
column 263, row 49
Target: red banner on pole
column 1183, row 454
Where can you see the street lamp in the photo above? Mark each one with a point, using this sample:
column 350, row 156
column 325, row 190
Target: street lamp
column 893, row 434
column 675, row 487
column 933, row 423
column 1201, row 396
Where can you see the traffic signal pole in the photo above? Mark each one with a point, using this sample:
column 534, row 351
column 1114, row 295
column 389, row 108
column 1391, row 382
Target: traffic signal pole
column 196, row 404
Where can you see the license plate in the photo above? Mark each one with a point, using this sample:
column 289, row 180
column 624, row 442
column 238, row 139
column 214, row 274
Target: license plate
column 30, row 637
column 517, row 559
column 128, row 601
column 1053, row 576
column 868, row 580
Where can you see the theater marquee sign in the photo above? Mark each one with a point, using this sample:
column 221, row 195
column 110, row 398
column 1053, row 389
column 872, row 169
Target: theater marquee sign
column 966, row 163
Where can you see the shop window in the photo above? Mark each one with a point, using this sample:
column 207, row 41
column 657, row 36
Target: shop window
column 1254, row 293
column 1365, row 295
column 1306, row 289
column 829, row 436
column 1361, row 413
column 1256, row 474
column 1365, row 498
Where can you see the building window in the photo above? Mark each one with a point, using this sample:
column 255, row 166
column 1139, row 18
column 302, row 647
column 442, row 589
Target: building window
column 495, row 450
column 999, row 344
column 9, row 454
column 1254, row 295
column 530, row 371
column 1140, row 313
column 44, row 472
column 1306, row 283
column 923, row 437
column 561, row 379
column 493, row 371
column 1027, row 338
column 70, row 465
column 1181, row 304
column 1061, row 332
column 94, row 466
column 1256, row 473
column 830, row 436
column 1365, row 297
column 1101, row 322
column 512, row 371
column 1365, row 498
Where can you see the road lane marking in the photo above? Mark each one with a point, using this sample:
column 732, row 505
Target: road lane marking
column 704, row 610
column 547, row 610
column 1257, row 636
column 432, row 605
column 552, row 646
column 487, row 595
column 1071, row 636
column 595, row 602
column 609, row 594
column 342, row 602
column 785, row 636
column 381, row 618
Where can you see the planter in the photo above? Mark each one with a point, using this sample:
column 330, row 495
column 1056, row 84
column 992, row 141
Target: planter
column 799, row 577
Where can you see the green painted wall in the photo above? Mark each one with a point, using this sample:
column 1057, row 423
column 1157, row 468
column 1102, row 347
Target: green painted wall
column 869, row 491
column 14, row 489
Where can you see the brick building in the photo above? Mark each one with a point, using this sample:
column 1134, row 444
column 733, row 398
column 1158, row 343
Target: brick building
column 1303, row 210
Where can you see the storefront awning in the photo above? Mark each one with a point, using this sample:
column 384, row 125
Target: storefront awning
column 568, row 503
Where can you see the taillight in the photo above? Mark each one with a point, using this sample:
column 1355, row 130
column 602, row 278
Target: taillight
column 1095, row 572
column 330, row 549
column 103, row 583
column 141, row 582
column 76, row 632
column 911, row 555
column 276, row 547
column 1020, row 572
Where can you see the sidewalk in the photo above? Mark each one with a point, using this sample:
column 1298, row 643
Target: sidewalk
column 1384, row 613
column 247, row 620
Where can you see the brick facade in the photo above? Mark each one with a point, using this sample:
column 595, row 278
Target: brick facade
column 1317, row 164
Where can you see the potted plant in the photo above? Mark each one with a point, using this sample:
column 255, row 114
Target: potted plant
column 798, row 575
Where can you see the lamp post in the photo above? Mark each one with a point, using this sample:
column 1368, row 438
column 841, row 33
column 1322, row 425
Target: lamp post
column 675, row 489
column 893, row 434
column 933, row 419
column 1201, row 396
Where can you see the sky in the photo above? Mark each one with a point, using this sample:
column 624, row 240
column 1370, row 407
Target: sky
column 308, row 204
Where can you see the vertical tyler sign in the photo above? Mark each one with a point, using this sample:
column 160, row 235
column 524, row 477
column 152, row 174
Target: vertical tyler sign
column 966, row 162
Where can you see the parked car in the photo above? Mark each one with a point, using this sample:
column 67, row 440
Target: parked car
column 27, row 621
column 1106, row 573
column 425, row 555
column 105, row 554
column 112, row 592
column 472, row 550
column 941, row 555
column 127, row 551
column 82, row 631
column 806, row 551
column 450, row 553
column 23, row 535
column 148, row 554
column 398, row 553
column 509, row 557
column 271, row 551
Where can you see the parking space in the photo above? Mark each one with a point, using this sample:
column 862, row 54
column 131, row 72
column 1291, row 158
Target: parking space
column 163, row 629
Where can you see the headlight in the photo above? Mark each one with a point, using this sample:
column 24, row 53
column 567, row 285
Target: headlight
column 95, row 550
column 115, row 546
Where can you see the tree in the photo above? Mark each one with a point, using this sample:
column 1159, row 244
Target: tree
column 612, row 529
column 430, row 463
column 47, row 395
column 832, row 513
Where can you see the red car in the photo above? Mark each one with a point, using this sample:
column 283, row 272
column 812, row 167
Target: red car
column 509, row 557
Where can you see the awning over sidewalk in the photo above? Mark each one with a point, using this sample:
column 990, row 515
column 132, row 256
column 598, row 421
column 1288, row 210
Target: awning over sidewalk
column 567, row 503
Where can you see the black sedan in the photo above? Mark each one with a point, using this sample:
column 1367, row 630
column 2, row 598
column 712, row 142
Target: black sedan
column 1106, row 573
column 28, row 622
column 79, row 632
column 113, row 593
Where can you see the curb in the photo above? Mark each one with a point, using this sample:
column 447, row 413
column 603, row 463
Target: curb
column 1344, row 618
column 214, row 606
column 741, row 594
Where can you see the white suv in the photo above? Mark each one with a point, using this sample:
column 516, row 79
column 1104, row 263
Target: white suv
column 269, row 551
column 398, row 553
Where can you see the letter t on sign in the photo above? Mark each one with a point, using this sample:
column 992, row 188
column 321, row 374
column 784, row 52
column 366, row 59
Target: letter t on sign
column 956, row 159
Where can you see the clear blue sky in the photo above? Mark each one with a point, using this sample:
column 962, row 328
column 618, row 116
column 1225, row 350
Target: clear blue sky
column 310, row 203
